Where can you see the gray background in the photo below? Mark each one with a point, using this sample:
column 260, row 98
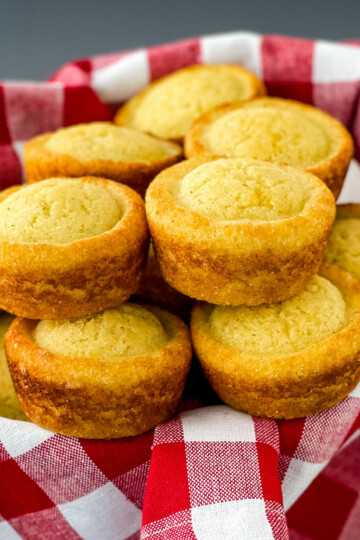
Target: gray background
column 38, row 36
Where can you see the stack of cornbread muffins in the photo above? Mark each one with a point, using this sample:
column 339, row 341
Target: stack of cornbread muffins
column 239, row 231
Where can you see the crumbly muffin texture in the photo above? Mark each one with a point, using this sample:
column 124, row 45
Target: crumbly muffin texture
column 9, row 402
column 243, row 189
column 126, row 331
column 169, row 108
column 283, row 328
column 344, row 245
column 105, row 141
column 58, row 211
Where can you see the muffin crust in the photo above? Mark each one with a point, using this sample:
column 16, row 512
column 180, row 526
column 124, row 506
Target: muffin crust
column 299, row 363
column 44, row 277
column 344, row 245
column 9, row 402
column 103, row 395
column 239, row 231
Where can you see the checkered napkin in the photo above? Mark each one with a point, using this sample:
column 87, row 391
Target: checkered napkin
column 212, row 473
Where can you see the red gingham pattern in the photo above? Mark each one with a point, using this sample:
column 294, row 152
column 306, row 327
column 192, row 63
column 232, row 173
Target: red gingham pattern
column 211, row 473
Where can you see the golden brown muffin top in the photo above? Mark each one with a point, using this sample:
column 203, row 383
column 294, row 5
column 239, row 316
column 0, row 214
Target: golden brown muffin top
column 58, row 211
column 270, row 206
column 167, row 107
column 126, row 331
column 271, row 129
column 243, row 189
column 105, row 141
column 283, row 328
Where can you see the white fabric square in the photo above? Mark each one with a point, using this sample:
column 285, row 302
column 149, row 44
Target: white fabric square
column 7, row 532
column 324, row 433
column 62, row 468
column 105, row 513
column 122, row 79
column 334, row 62
column 222, row 471
column 232, row 520
column 234, row 48
column 218, row 423
column 297, row 479
column 19, row 437
column 356, row 392
column 19, row 149
column 351, row 193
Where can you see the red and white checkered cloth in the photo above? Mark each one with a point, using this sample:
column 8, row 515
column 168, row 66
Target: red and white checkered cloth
column 212, row 473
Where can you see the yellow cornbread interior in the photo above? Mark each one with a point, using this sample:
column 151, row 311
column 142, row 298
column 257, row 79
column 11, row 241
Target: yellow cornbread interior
column 270, row 133
column 58, row 211
column 102, row 140
column 344, row 245
column 9, row 403
column 126, row 331
column 169, row 107
column 283, row 328
column 239, row 189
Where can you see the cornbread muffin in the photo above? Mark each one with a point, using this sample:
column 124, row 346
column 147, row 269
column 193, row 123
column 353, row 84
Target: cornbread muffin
column 275, row 129
column 114, row 374
column 344, row 245
column 99, row 149
column 238, row 231
column 9, row 402
column 70, row 247
column 155, row 290
column 284, row 360
column 168, row 106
